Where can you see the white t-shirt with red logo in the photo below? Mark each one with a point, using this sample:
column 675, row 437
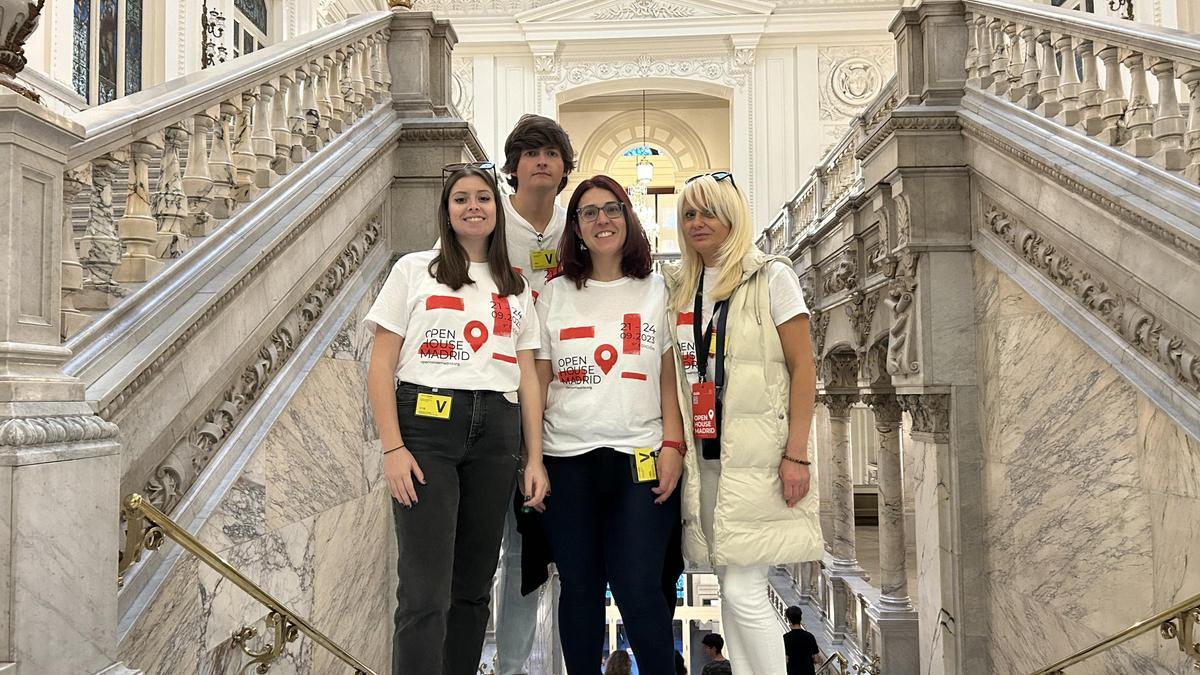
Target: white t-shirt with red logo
column 605, row 344
column 464, row 339
column 787, row 302
column 522, row 240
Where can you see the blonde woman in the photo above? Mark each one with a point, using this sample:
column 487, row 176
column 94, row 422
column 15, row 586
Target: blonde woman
column 747, row 384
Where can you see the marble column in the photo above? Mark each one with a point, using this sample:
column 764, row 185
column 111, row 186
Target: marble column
column 59, row 463
column 893, row 581
column 845, row 557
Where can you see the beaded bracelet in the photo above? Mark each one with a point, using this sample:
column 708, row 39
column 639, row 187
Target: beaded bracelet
column 803, row 462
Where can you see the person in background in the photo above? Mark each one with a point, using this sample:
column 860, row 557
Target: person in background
column 748, row 390
column 457, row 328
column 612, row 431
column 618, row 663
column 717, row 664
column 537, row 159
column 800, row 646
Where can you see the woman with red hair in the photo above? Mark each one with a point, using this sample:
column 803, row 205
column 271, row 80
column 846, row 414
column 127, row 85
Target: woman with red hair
column 612, row 431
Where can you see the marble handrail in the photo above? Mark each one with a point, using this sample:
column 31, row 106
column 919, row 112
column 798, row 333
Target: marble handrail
column 245, row 123
column 147, row 527
column 1091, row 74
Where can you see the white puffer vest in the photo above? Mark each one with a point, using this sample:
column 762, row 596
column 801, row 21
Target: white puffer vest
column 752, row 525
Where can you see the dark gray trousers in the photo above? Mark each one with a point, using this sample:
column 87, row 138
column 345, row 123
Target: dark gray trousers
column 449, row 542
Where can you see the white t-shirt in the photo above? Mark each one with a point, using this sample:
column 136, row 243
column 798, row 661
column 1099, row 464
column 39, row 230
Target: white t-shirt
column 464, row 339
column 605, row 344
column 523, row 239
column 787, row 302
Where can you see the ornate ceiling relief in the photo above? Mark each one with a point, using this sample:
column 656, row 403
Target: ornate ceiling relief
column 478, row 6
column 643, row 9
column 462, row 87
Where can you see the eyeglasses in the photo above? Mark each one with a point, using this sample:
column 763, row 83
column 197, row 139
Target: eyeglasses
column 451, row 169
column 590, row 213
column 717, row 176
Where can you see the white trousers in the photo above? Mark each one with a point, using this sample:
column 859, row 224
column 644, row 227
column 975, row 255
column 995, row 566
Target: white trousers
column 752, row 632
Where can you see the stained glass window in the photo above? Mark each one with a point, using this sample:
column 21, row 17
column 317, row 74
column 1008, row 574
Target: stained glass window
column 82, row 46
column 133, row 46
column 107, row 79
column 642, row 151
column 255, row 10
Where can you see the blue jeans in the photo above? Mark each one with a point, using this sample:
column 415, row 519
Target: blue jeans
column 449, row 541
column 606, row 530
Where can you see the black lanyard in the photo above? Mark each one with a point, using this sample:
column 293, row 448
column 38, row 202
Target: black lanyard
column 703, row 337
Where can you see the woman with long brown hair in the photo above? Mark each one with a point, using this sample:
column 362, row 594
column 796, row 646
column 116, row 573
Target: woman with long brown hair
column 456, row 328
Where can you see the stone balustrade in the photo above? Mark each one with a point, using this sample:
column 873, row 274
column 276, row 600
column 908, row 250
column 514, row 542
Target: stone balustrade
column 1117, row 82
column 244, row 124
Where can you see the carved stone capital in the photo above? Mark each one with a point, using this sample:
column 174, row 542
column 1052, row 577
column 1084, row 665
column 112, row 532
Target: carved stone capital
column 838, row 404
column 886, row 409
column 839, row 370
column 930, row 415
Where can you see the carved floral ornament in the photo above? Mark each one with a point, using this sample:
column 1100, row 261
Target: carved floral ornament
column 36, row 431
column 18, row 19
column 1171, row 350
column 175, row 475
column 930, row 416
column 643, row 9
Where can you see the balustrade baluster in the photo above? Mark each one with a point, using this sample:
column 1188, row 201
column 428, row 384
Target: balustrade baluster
column 74, row 181
column 348, row 90
column 170, row 202
column 384, row 68
column 368, row 81
column 220, row 164
column 377, row 63
column 262, row 138
column 1169, row 125
column 1068, row 84
column 1031, row 72
column 983, row 69
column 197, row 181
column 1090, row 93
column 1015, row 62
column 1048, row 84
column 281, row 127
column 244, row 159
column 337, row 121
column 100, row 247
column 356, row 81
column 1139, row 117
column 999, row 58
column 970, row 65
column 296, row 118
column 324, row 104
column 312, row 116
column 137, row 227
column 1112, row 109
column 1191, row 79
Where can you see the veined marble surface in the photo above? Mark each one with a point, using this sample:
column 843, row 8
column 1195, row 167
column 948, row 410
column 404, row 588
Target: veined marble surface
column 1092, row 495
column 309, row 520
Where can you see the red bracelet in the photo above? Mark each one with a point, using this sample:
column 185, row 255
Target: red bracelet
column 679, row 447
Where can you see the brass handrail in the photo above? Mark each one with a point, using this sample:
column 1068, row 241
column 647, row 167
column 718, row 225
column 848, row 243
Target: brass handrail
column 1176, row 623
column 285, row 624
column 842, row 666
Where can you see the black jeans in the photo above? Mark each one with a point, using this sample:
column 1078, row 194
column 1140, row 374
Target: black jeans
column 604, row 529
column 449, row 541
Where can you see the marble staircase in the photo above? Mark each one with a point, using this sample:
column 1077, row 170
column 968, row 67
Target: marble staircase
column 1001, row 256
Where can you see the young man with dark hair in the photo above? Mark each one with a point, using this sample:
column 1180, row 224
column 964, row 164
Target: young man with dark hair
column 718, row 664
column 803, row 655
column 537, row 158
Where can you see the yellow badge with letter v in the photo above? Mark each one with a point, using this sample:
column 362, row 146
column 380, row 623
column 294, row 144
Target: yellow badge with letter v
column 644, row 469
column 543, row 259
column 433, row 405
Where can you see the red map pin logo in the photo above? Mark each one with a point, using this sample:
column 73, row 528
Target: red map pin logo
column 477, row 334
column 606, row 356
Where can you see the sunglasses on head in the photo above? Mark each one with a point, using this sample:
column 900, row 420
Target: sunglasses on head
column 717, row 176
column 451, row 169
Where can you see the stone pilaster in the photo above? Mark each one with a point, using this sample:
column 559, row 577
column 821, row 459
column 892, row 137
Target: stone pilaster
column 59, row 463
column 843, row 547
column 418, row 54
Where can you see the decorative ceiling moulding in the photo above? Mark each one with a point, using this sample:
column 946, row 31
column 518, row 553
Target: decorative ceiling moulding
column 1159, row 232
column 150, row 372
column 173, row 477
column 643, row 9
column 1172, row 350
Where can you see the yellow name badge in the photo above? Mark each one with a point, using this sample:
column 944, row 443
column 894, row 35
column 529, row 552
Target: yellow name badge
column 543, row 259
column 712, row 344
column 644, row 467
column 433, row 405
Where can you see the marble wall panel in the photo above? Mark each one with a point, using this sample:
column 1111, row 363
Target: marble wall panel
column 314, row 451
column 1092, row 494
column 169, row 635
column 241, row 516
column 6, row 546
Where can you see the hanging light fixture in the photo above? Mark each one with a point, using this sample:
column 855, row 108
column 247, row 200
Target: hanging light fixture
column 645, row 167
